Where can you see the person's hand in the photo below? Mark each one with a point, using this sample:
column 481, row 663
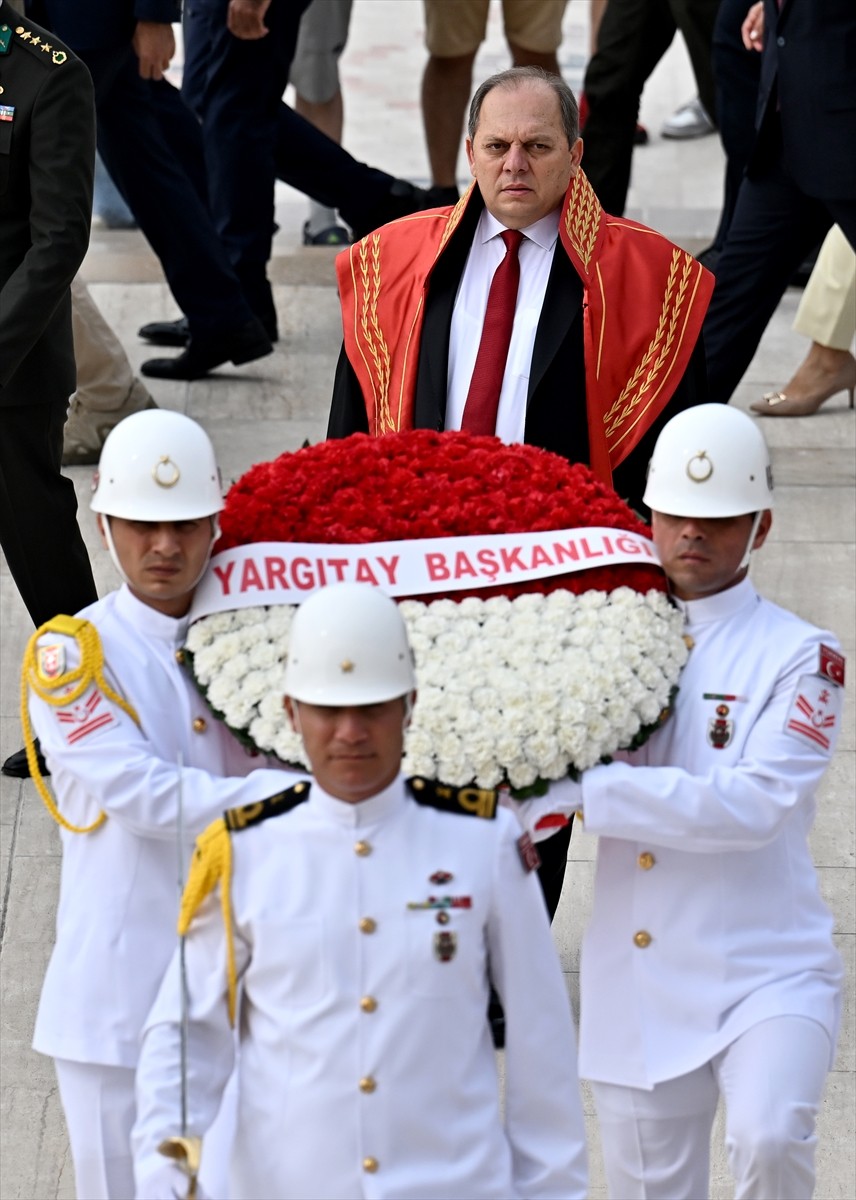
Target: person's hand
column 246, row 19
column 154, row 46
column 752, row 29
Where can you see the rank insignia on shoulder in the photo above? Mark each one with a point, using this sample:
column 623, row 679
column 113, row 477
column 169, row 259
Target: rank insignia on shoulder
column 831, row 665
column 237, row 819
column 467, row 801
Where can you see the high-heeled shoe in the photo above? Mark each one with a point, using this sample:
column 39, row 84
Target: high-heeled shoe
column 780, row 404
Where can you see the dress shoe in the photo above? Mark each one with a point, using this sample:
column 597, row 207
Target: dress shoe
column 204, row 354
column 780, row 404
column 402, row 199
column 439, row 196
column 691, row 120
column 86, row 430
column 166, row 333
column 17, row 767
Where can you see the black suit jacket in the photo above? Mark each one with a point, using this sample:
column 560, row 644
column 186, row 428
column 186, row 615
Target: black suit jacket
column 556, row 408
column 47, row 153
column 807, row 95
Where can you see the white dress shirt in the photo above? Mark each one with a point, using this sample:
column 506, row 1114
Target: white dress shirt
column 486, row 253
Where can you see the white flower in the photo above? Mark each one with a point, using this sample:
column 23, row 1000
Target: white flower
column 508, row 690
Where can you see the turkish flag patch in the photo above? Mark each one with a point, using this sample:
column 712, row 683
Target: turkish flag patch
column 831, row 665
column 815, row 712
column 89, row 714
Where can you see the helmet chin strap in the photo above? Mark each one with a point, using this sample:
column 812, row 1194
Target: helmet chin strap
column 111, row 547
column 744, row 562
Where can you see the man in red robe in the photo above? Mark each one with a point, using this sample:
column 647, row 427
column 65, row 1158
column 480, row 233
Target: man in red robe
column 604, row 344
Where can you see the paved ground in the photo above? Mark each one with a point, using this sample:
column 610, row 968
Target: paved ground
column 255, row 412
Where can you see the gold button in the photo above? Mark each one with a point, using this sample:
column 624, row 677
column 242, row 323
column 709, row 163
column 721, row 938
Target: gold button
column 179, row 657
column 363, row 849
column 367, row 925
column 646, row 860
column 368, row 1004
column 199, row 724
column 371, row 1165
column 367, row 1084
column 642, row 939
column 299, row 788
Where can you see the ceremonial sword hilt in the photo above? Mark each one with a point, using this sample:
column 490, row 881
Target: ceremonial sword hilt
column 186, row 1152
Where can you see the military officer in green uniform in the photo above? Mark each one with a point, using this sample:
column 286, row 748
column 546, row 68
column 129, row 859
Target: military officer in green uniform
column 47, row 150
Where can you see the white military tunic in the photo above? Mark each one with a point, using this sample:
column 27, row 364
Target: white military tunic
column 707, row 917
column 366, row 1066
column 119, row 886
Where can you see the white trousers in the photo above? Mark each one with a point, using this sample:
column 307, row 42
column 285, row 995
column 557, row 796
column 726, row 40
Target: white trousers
column 100, row 1110
column 656, row 1144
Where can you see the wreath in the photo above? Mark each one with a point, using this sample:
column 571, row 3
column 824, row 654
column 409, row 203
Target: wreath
column 526, row 669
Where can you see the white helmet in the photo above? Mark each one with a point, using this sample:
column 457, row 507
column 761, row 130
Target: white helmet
column 157, row 465
column 348, row 646
column 710, row 461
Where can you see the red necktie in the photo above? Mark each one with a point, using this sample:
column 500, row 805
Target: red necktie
column 486, row 384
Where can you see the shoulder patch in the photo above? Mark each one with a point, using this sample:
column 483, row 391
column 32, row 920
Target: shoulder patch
column 815, row 712
column 465, row 801
column 237, row 819
column 831, row 665
column 51, row 661
column 32, row 39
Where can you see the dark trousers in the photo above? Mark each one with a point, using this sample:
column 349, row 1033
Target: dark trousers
column 634, row 35
column 775, row 224
column 38, row 514
column 553, row 853
column 152, row 148
column 736, row 72
column 252, row 138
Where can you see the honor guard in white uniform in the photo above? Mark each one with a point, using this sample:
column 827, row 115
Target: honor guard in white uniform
column 708, row 967
column 134, row 752
column 365, row 922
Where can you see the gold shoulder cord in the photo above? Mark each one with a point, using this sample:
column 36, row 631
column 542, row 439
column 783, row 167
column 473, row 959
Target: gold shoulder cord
column 212, row 864
column 91, row 669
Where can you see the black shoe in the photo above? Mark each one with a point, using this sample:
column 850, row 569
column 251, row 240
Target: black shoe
column 402, row 199
column 204, row 354
column 440, row 197
column 166, row 333
column 17, row 767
